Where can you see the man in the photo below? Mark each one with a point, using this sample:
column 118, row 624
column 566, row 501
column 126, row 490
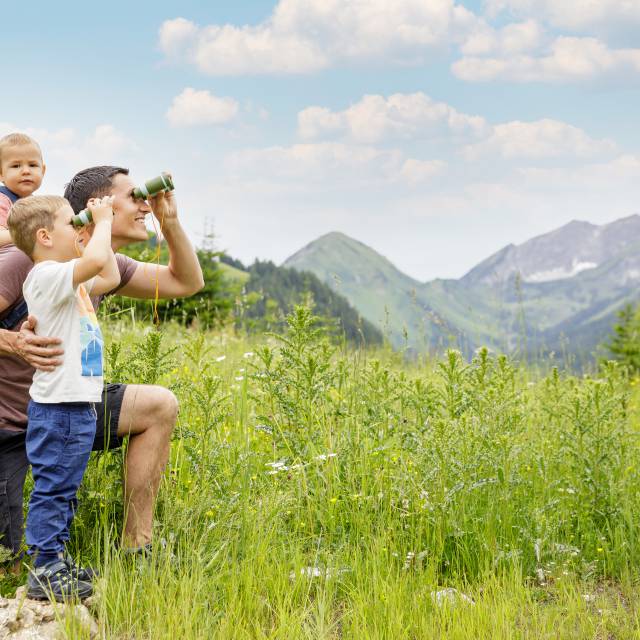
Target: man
column 144, row 413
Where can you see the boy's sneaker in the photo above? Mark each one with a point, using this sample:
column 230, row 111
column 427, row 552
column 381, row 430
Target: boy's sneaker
column 54, row 581
column 84, row 574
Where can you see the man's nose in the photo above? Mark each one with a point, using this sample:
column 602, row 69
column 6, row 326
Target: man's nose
column 144, row 206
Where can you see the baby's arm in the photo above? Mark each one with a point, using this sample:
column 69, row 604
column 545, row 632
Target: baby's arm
column 5, row 205
column 98, row 260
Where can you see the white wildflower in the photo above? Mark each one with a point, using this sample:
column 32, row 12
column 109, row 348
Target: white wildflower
column 325, row 456
column 451, row 597
column 221, row 358
column 318, row 572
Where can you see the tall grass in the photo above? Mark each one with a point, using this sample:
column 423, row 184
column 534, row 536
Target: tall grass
column 316, row 492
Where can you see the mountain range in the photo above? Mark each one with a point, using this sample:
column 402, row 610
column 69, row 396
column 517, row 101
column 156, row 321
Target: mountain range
column 559, row 291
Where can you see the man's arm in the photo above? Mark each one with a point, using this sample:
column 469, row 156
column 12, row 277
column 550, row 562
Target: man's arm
column 182, row 277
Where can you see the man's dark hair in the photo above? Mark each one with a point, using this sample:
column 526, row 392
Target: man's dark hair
column 94, row 182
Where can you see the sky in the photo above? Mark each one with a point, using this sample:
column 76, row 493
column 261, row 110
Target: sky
column 434, row 131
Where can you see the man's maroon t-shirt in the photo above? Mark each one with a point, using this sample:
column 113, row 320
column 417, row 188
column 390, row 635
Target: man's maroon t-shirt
column 15, row 373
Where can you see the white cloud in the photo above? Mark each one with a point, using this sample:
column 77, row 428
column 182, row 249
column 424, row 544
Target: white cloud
column 108, row 141
column 331, row 164
column 567, row 60
column 416, row 172
column 400, row 116
column 176, row 35
column 576, row 15
column 192, row 108
column 620, row 172
column 513, row 39
column 541, row 139
column 303, row 36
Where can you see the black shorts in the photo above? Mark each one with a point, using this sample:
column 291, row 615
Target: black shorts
column 14, row 465
column 108, row 412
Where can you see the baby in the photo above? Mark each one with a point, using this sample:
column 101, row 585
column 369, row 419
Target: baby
column 21, row 171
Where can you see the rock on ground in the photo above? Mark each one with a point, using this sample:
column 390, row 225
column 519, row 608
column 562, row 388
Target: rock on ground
column 24, row 619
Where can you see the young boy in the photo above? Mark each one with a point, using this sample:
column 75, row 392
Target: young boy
column 21, row 171
column 62, row 418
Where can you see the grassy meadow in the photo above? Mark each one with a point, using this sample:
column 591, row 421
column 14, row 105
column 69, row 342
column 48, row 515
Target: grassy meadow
column 321, row 492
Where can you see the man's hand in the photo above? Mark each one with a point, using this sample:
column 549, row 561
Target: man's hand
column 164, row 206
column 39, row 351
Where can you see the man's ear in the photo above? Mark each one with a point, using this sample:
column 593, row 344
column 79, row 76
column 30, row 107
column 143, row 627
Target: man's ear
column 43, row 237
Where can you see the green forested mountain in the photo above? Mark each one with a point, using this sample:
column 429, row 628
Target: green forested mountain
column 270, row 292
column 557, row 292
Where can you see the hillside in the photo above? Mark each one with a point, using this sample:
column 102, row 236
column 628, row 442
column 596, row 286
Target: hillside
column 270, row 292
column 372, row 284
column 558, row 291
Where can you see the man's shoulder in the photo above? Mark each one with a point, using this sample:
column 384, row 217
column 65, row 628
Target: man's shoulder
column 12, row 257
column 14, row 269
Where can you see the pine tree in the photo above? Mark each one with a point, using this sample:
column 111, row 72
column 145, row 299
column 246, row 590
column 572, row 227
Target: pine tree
column 625, row 341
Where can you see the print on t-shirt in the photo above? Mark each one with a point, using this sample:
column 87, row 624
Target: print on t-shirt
column 91, row 341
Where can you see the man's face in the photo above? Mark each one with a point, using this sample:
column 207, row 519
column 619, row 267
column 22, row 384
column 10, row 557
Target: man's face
column 128, row 213
column 22, row 169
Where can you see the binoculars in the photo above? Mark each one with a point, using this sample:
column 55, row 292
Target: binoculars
column 163, row 182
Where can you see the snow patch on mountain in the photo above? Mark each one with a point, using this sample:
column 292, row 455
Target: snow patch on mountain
column 560, row 273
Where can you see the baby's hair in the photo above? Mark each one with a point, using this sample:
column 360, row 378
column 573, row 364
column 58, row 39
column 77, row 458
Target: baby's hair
column 27, row 215
column 15, row 140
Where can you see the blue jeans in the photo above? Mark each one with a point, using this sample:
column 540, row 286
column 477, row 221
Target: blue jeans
column 59, row 441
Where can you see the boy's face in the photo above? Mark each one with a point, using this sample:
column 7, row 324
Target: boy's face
column 128, row 213
column 65, row 240
column 22, row 169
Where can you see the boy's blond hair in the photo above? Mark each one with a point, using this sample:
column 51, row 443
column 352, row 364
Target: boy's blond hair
column 29, row 214
column 17, row 139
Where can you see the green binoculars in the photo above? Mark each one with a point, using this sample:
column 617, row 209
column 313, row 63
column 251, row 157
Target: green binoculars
column 163, row 182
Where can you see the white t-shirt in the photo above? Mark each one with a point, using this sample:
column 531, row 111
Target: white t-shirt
column 67, row 314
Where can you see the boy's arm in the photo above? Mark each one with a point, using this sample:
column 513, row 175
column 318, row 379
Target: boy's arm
column 108, row 279
column 183, row 276
column 98, row 250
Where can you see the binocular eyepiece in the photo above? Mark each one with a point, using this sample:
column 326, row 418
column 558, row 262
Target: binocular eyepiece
column 163, row 182
column 151, row 187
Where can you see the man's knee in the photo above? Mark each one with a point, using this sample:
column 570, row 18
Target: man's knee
column 163, row 409
column 148, row 408
column 167, row 408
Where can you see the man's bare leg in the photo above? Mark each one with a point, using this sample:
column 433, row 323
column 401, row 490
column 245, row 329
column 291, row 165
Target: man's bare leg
column 148, row 415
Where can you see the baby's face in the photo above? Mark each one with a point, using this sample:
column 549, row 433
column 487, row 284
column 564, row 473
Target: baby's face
column 22, row 169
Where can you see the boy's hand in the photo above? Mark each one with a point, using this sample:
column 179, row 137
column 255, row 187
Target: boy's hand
column 101, row 208
column 164, row 205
